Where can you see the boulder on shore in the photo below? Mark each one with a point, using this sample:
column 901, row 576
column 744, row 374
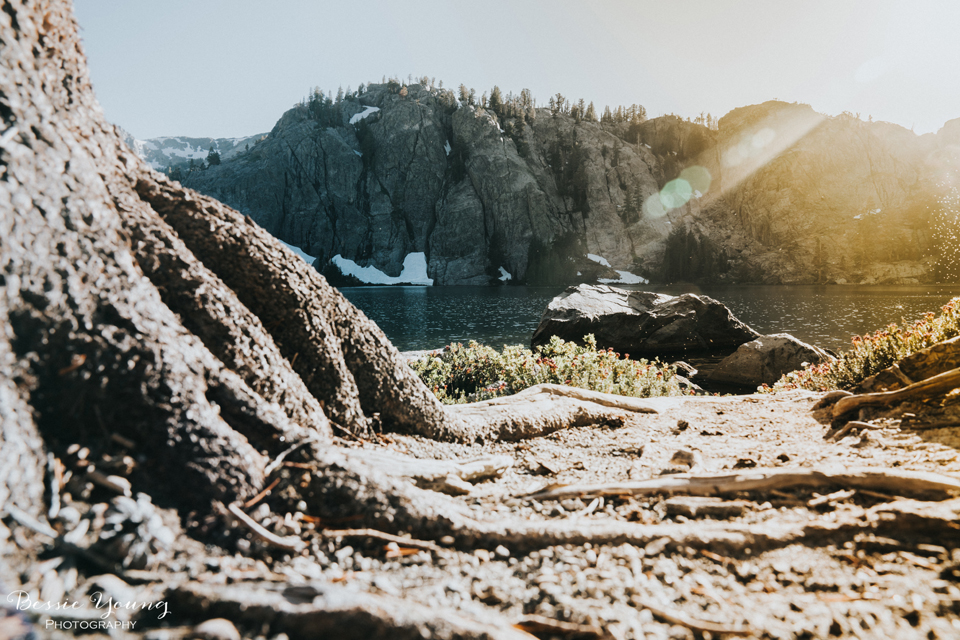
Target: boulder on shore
column 641, row 323
column 766, row 359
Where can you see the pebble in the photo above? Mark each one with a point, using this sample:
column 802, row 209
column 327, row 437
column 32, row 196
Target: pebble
column 216, row 629
column 502, row 551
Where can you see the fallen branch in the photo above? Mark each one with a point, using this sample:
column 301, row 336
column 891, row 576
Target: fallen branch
column 263, row 494
column 703, row 626
column 831, row 497
column 903, row 482
column 540, row 624
column 290, row 543
column 426, row 545
column 611, row 400
column 929, row 426
column 850, row 426
column 452, row 477
column 539, row 410
column 278, row 462
column 938, row 384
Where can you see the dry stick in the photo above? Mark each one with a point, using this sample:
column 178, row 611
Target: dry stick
column 55, row 475
column 831, row 497
column 678, row 617
column 927, row 426
column 290, row 543
column 941, row 383
column 853, row 424
column 273, row 466
column 596, row 397
column 541, row 624
column 380, row 535
column 263, row 494
column 903, row 482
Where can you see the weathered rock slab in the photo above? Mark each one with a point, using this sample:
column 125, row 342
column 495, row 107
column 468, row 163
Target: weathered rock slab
column 766, row 359
column 641, row 323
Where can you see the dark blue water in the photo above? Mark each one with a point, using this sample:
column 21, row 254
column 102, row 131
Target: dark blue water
column 430, row 317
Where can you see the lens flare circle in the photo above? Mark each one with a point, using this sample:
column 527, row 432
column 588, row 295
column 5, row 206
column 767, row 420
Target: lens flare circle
column 653, row 208
column 675, row 194
column 698, row 177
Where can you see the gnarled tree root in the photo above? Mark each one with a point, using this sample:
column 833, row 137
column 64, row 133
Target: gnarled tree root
column 330, row 611
column 906, row 483
column 347, row 489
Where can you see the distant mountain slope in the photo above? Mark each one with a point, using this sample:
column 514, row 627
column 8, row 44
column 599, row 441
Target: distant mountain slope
column 512, row 193
column 172, row 151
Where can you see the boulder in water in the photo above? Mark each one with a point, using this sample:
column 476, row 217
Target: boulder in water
column 641, row 323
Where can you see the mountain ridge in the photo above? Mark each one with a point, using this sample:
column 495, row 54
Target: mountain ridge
column 787, row 195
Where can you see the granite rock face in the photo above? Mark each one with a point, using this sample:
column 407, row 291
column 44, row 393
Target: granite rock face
column 421, row 174
column 765, row 360
column 778, row 194
column 640, row 323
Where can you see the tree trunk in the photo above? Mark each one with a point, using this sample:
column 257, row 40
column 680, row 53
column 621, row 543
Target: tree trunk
column 139, row 308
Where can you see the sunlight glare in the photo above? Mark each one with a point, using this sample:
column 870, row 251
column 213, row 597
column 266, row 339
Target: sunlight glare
column 698, row 177
column 676, row 193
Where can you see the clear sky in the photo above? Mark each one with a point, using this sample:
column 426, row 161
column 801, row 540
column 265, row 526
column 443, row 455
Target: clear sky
column 226, row 68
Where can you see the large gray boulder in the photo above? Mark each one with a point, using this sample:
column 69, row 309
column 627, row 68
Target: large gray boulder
column 766, row 359
column 641, row 323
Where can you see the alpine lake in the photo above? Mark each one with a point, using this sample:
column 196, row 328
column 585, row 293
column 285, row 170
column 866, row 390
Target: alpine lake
column 420, row 317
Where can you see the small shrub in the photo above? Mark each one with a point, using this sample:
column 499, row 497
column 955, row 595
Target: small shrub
column 476, row 372
column 871, row 354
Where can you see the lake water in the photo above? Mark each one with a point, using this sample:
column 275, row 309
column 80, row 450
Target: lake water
column 431, row 317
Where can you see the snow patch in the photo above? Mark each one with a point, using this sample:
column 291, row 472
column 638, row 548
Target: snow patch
column 599, row 259
column 446, row 147
column 358, row 153
column 858, row 216
column 505, row 275
column 300, row 252
column 625, row 278
column 414, row 271
column 363, row 114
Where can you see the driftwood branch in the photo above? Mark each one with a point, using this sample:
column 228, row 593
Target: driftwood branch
column 452, row 477
column 426, row 545
column 610, row 400
column 902, row 482
column 540, row 410
column 289, row 543
column 678, row 617
column 936, row 385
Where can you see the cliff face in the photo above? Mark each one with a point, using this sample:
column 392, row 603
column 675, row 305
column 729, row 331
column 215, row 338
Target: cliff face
column 420, row 174
column 778, row 194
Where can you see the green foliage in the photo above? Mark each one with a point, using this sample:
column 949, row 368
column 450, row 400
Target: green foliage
column 873, row 353
column 476, row 372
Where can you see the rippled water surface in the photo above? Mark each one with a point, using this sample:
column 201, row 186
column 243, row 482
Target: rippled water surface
column 430, row 317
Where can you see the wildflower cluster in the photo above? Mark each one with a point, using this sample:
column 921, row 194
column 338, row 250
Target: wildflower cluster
column 475, row 372
column 871, row 354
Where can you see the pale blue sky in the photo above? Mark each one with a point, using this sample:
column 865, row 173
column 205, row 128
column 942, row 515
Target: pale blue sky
column 225, row 68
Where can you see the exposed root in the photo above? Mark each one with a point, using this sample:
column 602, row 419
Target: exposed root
column 540, row 410
column 903, row 482
column 331, row 611
column 937, row 385
column 678, row 617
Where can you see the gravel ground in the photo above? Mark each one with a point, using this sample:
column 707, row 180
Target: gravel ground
column 867, row 565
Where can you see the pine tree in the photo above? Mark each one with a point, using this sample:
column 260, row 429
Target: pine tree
column 591, row 114
column 496, row 100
